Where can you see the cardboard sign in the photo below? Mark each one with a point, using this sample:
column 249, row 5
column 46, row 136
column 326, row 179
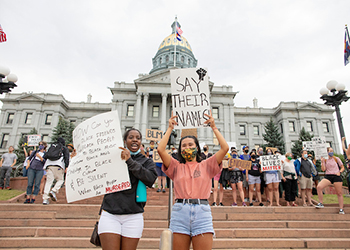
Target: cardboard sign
column 270, row 162
column 154, row 135
column 33, row 140
column 320, row 147
column 224, row 163
column 97, row 169
column 156, row 156
column 308, row 145
column 238, row 163
column 190, row 131
column 190, row 97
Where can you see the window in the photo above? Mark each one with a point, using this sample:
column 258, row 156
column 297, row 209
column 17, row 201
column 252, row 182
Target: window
column 291, row 127
column 242, row 129
column 4, row 140
column 73, row 121
column 127, row 128
column 215, row 112
column 155, row 128
column 130, row 110
column 309, row 127
column 10, row 117
column 45, row 138
column 182, row 59
column 329, row 144
column 160, row 60
column 48, row 119
column 325, row 127
column 189, row 62
column 281, row 127
column 256, row 130
column 167, row 58
column 155, row 111
column 29, row 117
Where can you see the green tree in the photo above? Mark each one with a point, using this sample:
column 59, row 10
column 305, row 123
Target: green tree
column 298, row 145
column 272, row 136
column 63, row 129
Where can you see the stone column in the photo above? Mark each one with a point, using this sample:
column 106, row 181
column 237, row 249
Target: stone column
column 144, row 113
column 163, row 118
column 119, row 108
column 226, row 133
column 138, row 110
column 232, row 124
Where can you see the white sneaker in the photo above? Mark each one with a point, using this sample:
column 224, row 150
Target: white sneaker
column 46, row 202
column 341, row 211
column 319, row 205
column 53, row 196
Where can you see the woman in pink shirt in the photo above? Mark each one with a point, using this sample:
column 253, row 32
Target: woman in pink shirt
column 191, row 218
column 333, row 167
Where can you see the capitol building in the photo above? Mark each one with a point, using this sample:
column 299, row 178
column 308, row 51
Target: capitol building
column 146, row 104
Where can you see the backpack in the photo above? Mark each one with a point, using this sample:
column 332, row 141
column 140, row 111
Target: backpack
column 55, row 152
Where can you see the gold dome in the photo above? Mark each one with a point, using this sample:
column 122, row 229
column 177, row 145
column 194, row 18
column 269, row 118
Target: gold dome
column 170, row 41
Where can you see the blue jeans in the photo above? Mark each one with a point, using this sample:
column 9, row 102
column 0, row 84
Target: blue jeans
column 34, row 176
column 25, row 172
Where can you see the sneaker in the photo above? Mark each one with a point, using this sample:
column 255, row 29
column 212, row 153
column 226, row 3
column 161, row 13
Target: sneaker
column 32, row 201
column 260, row 204
column 53, row 196
column 26, row 201
column 220, row 204
column 341, row 211
column 163, row 190
column 234, row 204
column 319, row 205
column 251, row 204
column 46, row 202
column 243, row 204
column 214, row 204
column 246, row 200
column 159, row 190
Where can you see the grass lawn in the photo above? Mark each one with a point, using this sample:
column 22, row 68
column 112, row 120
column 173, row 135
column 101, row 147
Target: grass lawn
column 331, row 199
column 8, row 194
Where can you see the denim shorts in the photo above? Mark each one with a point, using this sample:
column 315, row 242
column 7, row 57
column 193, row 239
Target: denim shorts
column 191, row 219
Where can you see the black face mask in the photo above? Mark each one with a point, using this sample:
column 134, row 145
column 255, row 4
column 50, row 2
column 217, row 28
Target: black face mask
column 253, row 157
column 205, row 149
column 247, row 150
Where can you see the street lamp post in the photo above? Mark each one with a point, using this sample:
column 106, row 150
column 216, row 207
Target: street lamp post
column 7, row 80
column 335, row 99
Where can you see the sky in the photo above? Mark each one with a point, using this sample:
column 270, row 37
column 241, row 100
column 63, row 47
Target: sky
column 274, row 50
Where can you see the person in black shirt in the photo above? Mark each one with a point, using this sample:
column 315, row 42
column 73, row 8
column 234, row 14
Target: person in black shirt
column 253, row 178
column 121, row 221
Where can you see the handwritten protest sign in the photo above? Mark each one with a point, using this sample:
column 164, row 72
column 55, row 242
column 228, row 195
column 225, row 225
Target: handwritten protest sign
column 33, row 140
column 154, row 135
column 270, row 162
column 308, row 145
column 238, row 163
column 190, row 131
column 224, row 163
column 97, row 169
column 156, row 156
column 320, row 147
column 190, row 97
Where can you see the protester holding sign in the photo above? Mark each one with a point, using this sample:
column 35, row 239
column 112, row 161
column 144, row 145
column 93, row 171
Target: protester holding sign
column 290, row 180
column 35, row 167
column 272, row 180
column 333, row 167
column 305, row 169
column 236, row 179
column 253, row 178
column 191, row 218
column 121, row 221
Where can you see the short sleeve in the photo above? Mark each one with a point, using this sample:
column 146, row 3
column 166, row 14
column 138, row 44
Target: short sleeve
column 171, row 169
column 213, row 167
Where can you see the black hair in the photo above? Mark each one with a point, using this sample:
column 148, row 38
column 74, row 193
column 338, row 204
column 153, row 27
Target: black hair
column 301, row 152
column 125, row 136
column 268, row 150
column 198, row 155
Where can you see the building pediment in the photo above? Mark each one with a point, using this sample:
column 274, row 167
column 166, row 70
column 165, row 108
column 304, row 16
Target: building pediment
column 29, row 97
column 310, row 106
column 162, row 76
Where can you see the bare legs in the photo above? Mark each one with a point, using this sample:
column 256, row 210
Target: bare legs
column 273, row 190
column 199, row 242
column 215, row 191
column 110, row 241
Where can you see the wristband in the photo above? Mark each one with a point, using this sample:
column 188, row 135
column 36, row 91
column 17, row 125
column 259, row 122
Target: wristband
column 215, row 128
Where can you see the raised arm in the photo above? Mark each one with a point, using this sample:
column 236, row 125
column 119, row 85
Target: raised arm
column 223, row 144
column 166, row 158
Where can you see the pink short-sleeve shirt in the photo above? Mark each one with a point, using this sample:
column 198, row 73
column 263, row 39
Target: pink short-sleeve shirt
column 192, row 180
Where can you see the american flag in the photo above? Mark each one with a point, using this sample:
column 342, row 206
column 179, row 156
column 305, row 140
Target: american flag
column 2, row 35
column 346, row 47
column 178, row 32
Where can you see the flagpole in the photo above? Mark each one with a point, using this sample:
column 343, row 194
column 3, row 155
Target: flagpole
column 175, row 41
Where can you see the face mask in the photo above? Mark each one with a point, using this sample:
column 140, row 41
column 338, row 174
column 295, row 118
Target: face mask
column 269, row 153
column 305, row 155
column 289, row 158
column 152, row 146
column 246, row 151
column 135, row 153
column 253, row 157
column 331, row 154
column 205, row 149
column 189, row 153
column 234, row 156
column 261, row 152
